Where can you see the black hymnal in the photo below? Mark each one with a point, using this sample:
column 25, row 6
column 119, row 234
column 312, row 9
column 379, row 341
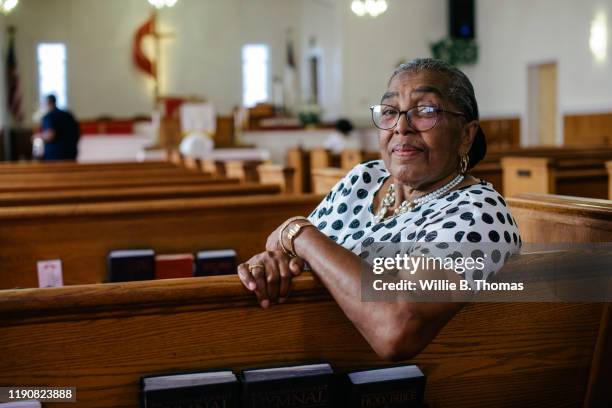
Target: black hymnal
column 209, row 389
column 131, row 265
column 301, row 386
column 216, row 262
column 393, row 387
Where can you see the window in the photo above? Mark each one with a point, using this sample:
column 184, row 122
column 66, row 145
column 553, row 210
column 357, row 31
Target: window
column 52, row 71
column 255, row 74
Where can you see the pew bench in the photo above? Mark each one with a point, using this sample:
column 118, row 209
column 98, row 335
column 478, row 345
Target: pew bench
column 282, row 176
column 118, row 194
column 70, row 166
column 609, row 169
column 125, row 181
column 577, row 176
column 103, row 338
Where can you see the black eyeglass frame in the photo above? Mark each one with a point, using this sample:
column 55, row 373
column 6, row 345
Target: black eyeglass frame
column 409, row 117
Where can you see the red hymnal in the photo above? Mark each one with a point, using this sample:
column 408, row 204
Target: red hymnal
column 174, row 266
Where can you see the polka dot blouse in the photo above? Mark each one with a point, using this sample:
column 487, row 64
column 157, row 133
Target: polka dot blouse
column 468, row 216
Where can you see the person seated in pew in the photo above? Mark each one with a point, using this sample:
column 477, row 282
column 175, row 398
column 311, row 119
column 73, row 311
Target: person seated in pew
column 421, row 191
column 343, row 138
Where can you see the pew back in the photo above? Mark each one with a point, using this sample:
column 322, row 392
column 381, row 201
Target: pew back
column 126, row 181
column 117, row 194
column 82, row 234
column 578, row 175
column 69, row 166
column 102, row 338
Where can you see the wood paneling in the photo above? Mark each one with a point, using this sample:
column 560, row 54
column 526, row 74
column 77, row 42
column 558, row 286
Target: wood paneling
column 502, row 133
column 588, row 129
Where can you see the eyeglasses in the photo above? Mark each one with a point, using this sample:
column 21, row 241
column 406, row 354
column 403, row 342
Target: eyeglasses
column 421, row 118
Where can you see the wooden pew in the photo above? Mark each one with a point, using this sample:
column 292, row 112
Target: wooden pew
column 126, row 181
column 101, row 174
column 82, row 234
column 299, row 160
column 325, row 178
column 284, row 177
column 245, row 171
column 61, row 166
column 609, row 168
column 117, row 194
column 102, row 338
column 578, row 176
column 555, row 218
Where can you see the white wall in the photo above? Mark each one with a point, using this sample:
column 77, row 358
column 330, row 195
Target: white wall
column 514, row 34
column 373, row 47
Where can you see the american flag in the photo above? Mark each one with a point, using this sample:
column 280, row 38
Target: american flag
column 14, row 91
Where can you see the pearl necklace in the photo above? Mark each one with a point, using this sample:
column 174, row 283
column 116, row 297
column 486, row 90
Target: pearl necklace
column 389, row 199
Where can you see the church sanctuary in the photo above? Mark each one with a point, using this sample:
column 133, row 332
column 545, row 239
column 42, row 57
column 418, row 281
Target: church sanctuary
column 306, row 203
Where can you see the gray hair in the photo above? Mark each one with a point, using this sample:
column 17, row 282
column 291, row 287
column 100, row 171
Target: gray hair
column 460, row 92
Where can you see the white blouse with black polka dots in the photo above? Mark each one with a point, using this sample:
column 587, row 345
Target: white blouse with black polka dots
column 466, row 216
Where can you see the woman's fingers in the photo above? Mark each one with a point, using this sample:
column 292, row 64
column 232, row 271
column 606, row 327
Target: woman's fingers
column 272, row 276
column 285, row 279
column 269, row 275
column 296, row 266
column 257, row 268
column 245, row 277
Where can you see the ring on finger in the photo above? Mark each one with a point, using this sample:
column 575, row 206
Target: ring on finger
column 255, row 266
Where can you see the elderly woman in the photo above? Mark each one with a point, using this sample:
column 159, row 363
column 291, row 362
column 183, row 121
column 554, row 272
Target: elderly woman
column 420, row 192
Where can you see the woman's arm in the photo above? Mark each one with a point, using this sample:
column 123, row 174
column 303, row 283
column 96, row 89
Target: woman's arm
column 396, row 330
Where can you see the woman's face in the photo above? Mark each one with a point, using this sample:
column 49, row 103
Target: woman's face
column 417, row 158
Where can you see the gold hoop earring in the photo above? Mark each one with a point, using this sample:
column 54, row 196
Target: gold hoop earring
column 464, row 161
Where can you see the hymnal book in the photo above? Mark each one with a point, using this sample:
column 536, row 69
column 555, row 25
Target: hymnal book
column 217, row 262
column 174, row 266
column 131, row 265
column 50, row 273
column 393, row 387
column 301, row 386
column 208, row 389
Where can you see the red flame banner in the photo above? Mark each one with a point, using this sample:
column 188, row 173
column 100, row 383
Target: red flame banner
column 141, row 60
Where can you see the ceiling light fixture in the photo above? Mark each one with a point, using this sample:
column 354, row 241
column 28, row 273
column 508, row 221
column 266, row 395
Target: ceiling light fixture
column 159, row 4
column 373, row 8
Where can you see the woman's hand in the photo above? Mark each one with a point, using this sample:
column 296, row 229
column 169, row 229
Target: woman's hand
column 273, row 243
column 269, row 275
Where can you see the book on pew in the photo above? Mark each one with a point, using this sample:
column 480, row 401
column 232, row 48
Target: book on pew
column 206, row 389
column 174, row 266
column 298, row 386
column 393, row 387
column 131, row 265
column 216, row 262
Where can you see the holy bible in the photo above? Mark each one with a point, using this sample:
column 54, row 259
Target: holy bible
column 131, row 265
column 301, row 386
column 208, row 389
column 393, row 387
column 216, row 262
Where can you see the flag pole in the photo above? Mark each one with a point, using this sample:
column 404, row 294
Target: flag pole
column 6, row 111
